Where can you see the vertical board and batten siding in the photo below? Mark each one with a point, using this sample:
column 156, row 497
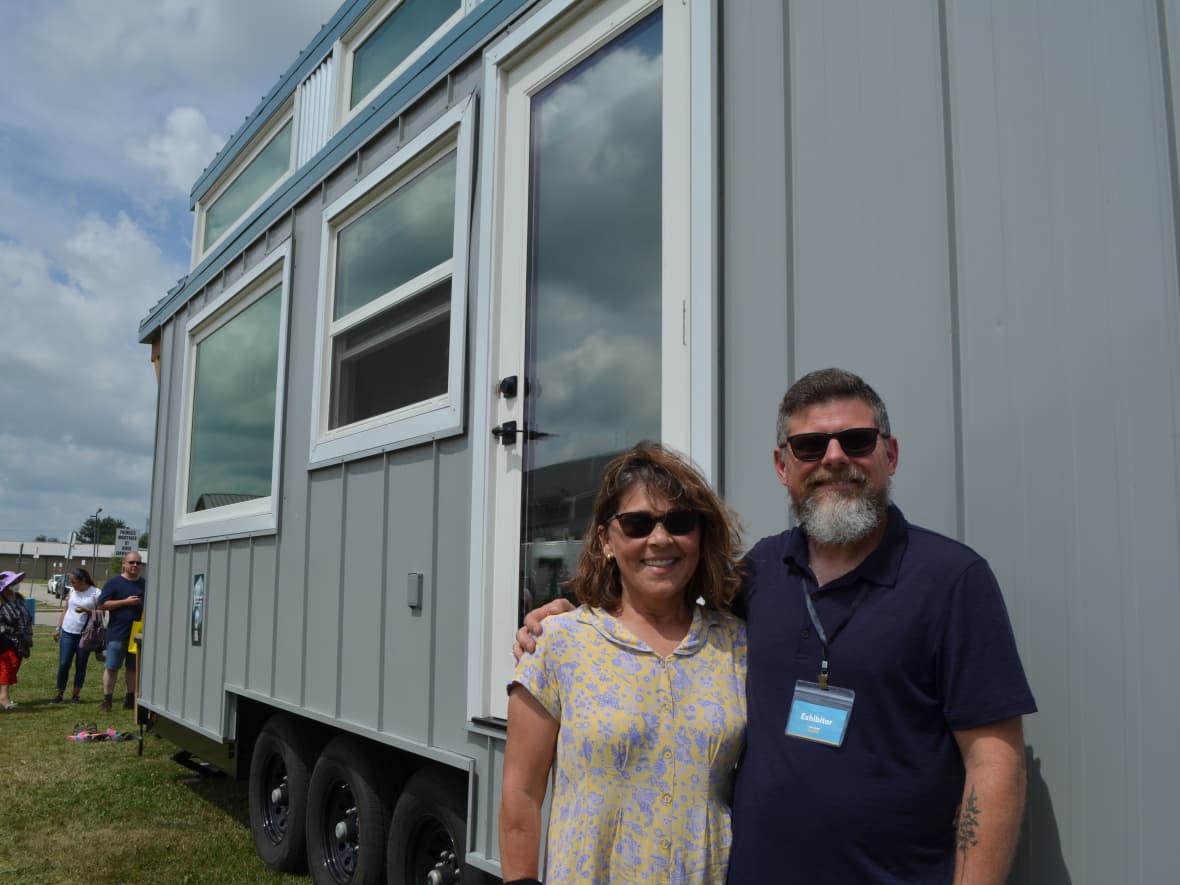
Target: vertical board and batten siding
column 315, row 616
column 980, row 216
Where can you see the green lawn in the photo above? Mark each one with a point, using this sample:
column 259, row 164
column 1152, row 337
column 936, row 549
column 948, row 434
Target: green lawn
column 99, row 812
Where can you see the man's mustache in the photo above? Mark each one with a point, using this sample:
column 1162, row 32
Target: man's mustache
column 847, row 474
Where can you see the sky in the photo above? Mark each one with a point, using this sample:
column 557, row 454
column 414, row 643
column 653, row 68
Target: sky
column 109, row 111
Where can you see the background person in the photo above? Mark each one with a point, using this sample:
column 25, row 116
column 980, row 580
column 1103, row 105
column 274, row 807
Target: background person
column 636, row 698
column 122, row 597
column 16, row 634
column 81, row 606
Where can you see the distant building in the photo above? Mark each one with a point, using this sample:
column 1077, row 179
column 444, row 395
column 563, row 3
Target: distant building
column 39, row 560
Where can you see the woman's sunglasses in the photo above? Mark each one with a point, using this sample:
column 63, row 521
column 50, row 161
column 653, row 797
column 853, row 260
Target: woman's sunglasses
column 855, row 441
column 640, row 524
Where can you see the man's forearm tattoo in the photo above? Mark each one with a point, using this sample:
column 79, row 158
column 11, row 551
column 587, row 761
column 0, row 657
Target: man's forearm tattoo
column 967, row 826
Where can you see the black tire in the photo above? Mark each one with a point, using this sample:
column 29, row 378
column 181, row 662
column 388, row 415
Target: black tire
column 347, row 815
column 430, row 821
column 280, row 767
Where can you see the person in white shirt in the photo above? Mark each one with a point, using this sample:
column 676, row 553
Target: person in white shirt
column 81, row 606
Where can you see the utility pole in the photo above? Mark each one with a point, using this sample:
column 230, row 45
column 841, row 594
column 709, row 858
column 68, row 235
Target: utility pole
column 98, row 511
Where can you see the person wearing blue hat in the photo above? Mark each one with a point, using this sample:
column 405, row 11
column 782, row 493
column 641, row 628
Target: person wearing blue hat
column 16, row 634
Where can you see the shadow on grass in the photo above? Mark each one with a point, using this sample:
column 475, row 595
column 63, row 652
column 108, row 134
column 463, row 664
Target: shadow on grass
column 220, row 791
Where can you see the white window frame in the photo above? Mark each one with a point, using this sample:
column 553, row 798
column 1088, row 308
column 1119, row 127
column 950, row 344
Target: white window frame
column 257, row 146
column 440, row 416
column 258, row 515
column 347, row 45
column 689, row 247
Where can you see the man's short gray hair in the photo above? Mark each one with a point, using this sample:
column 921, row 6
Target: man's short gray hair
column 825, row 386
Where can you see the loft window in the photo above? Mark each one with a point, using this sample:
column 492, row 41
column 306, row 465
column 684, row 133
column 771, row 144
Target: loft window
column 390, row 41
column 265, row 167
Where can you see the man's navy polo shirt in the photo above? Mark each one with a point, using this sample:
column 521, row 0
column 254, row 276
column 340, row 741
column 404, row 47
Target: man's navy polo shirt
column 929, row 650
column 120, row 620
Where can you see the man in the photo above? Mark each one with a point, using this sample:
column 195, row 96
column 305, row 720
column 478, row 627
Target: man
column 884, row 742
column 122, row 596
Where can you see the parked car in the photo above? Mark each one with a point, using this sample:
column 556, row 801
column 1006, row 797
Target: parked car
column 59, row 586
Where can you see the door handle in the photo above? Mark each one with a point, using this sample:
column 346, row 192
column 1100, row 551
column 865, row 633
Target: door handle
column 505, row 433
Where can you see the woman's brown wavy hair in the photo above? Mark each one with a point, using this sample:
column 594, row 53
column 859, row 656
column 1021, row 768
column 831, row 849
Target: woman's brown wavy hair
column 719, row 572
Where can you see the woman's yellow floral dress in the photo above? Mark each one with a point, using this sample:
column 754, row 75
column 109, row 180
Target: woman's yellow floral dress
column 646, row 748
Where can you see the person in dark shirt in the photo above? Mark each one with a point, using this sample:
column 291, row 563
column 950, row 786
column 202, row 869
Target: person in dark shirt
column 122, row 598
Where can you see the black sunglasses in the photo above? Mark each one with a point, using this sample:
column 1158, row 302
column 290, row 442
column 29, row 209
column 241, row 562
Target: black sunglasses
column 640, row 524
column 855, row 441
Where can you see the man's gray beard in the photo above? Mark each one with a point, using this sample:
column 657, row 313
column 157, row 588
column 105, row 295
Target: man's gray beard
column 839, row 520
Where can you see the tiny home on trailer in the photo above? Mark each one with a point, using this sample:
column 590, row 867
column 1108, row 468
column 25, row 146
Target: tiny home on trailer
column 463, row 252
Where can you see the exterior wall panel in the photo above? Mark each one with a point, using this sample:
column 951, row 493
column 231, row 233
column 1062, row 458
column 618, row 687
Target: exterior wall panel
column 870, row 228
column 448, row 642
column 362, row 590
column 407, row 659
column 173, row 617
column 1069, row 286
column 265, row 601
column 982, row 205
column 755, row 231
column 209, row 656
column 237, row 612
column 319, row 651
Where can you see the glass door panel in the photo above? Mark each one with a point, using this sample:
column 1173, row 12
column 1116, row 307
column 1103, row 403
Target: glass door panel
column 593, row 298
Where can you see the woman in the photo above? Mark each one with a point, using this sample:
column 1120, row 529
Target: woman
column 81, row 606
column 16, row 634
column 636, row 698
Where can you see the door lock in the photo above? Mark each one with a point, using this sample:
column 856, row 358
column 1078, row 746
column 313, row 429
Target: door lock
column 505, row 433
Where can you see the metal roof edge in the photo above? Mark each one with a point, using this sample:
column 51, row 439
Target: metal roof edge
column 309, row 57
column 474, row 31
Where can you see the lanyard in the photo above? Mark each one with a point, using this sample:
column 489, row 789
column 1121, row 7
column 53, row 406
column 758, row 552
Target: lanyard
column 825, row 641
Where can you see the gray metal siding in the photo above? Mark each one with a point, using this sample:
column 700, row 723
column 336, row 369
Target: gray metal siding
column 980, row 217
column 314, row 616
column 411, row 514
column 267, row 605
column 236, row 603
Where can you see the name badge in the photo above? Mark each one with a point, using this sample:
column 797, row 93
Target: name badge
column 820, row 715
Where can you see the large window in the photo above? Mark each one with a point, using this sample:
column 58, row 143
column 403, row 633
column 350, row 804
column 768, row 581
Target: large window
column 389, row 41
column 263, row 166
column 233, row 397
column 392, row 299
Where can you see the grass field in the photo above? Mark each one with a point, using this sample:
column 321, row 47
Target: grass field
column 98, row 812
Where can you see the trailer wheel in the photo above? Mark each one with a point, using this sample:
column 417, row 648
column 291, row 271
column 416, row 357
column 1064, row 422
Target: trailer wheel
column 428, row 831
column 347, row 812
column 279, row 768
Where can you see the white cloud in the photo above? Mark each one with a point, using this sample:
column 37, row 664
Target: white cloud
column 181, row 151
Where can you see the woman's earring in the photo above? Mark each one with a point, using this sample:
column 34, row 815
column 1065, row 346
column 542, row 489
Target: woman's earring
column 610, row 557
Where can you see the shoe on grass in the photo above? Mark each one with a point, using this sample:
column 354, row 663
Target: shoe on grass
column 57, row 699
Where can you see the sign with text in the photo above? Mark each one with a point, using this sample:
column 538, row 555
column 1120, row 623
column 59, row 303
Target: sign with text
column 126, row 540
